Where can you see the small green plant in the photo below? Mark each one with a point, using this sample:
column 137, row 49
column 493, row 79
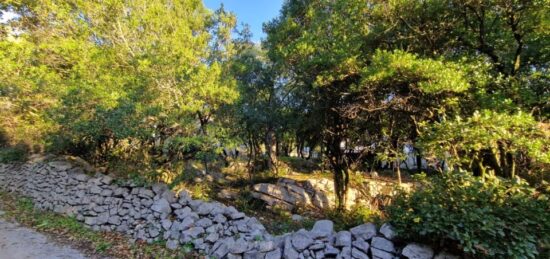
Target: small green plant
column 103, row 246
column 484, row 216
column 138, row 179
column 44, row 224
column 246, row 203
column 188, row 247
column 14, row 154
column 280, row 222
column 25, row 204
column 201, row 191
column 258, row 238
column 350, row 218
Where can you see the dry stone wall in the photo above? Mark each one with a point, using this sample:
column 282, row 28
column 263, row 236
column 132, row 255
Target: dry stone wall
column 319, row 193
column 311, row 193
column 156, row 213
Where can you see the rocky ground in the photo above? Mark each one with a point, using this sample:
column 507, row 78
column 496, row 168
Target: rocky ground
column 20, row 242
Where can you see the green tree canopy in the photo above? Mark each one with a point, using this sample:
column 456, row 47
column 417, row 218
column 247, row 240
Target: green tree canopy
column 114, row 70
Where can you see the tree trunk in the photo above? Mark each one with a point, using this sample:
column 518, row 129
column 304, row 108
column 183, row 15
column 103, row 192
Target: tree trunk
column 321, row 151
column 495, row 163
column 271, row 150
column 251, row 158
column 418, row 161
column 225, row 157
column 339, row 167
column 309, row 153
column 203, row 123
column 299, row 148
column 511, row 164
column 507, row 162
column 398, row 169
column 278, row 148
column 476, row 165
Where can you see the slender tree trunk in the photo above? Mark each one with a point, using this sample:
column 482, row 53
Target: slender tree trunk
column 477, row 166
column 321, row 150
column 495, row 163
column 309, row 153
column 251, row 158
column 512, row 164
column 270, row 142
column 398, row 169
column 203, row 123
column 302, row 146
column 278, row 148
column 506, row 161
column 339, row 166
column 418, row 161
column 480, row 164
column 481, row 168
column 225, row 157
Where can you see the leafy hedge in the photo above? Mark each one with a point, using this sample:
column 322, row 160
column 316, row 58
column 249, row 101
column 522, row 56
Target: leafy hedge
column 486, row 217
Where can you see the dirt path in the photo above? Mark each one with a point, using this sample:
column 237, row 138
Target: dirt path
column 17, row 242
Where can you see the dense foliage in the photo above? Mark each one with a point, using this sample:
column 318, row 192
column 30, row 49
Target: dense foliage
column 498, row 140
column 489, row 217
column 101, row 79
column 378, row 75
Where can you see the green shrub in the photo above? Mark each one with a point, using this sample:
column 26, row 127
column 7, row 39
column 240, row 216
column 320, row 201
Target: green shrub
column 486, row 217
column 13, row 154
column 357, row 215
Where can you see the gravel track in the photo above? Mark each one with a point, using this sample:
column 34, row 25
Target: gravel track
column 17, row 242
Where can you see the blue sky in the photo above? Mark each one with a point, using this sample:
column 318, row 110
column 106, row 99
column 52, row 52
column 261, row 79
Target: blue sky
column 6, row 16
column 252, row 12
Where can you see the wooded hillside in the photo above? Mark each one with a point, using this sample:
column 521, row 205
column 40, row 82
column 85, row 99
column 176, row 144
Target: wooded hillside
column 142, row 86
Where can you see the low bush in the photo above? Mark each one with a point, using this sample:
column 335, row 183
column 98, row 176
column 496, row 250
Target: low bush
column 357, row 215
column 13, row 154
column 485, row 217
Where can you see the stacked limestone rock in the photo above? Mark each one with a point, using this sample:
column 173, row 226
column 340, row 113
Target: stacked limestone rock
column 319, row 193
column 310, row 193
column 145, row 213
column 359, row 242
column 156, row 213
